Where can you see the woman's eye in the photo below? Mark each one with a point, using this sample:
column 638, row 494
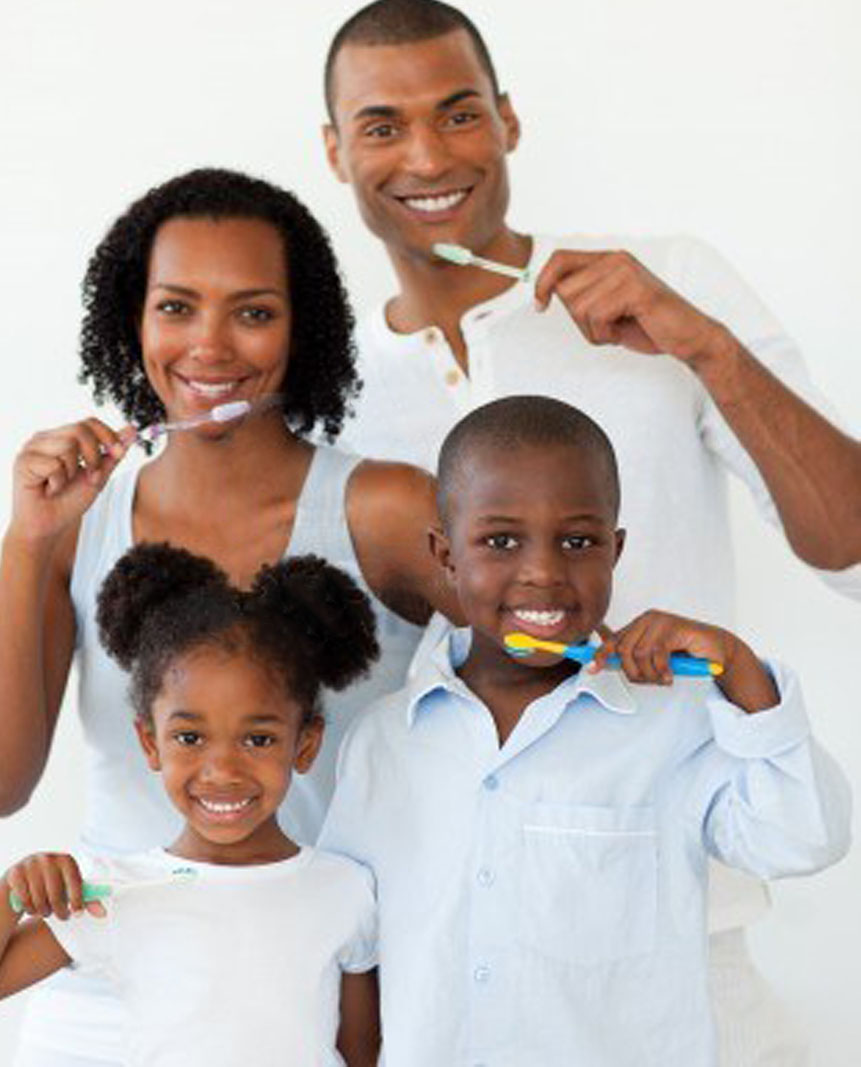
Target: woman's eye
column 504, row 542
column 173, row 307
column 256, row 315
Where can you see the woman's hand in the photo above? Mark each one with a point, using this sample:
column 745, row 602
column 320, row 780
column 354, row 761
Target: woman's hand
column 59, row 473
column 646, row 644
column 49, row 883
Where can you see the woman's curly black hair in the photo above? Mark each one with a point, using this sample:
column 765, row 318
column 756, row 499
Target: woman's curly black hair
column 321, row 375
column 304, row 619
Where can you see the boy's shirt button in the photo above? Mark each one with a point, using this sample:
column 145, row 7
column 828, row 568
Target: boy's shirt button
column 485, row 877
column 481, row 974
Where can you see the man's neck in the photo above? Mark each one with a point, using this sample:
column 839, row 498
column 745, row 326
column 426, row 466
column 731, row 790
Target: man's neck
column 436, row 293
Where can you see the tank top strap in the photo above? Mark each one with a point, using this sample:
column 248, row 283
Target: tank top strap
column 321, row 514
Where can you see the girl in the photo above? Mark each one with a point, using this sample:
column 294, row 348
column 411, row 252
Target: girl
column 212, row 288
column 244, row 956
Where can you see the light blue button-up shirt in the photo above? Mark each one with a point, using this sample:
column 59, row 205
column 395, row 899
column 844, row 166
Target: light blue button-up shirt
column 542, row 903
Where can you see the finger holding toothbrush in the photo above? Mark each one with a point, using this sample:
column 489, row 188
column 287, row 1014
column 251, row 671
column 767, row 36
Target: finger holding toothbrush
column 646, row 644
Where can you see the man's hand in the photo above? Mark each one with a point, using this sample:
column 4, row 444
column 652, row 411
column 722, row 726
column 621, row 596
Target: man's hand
column 615, row 300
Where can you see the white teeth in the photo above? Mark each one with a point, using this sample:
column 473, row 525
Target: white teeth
column 212, row 389
column 540, row 618
column 221, row 808
column 434, row 203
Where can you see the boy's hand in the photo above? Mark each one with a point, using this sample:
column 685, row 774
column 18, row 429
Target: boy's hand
column 49, row 883
column 645, row 646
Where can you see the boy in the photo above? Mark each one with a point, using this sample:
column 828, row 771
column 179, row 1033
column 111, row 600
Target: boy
column 539, row 833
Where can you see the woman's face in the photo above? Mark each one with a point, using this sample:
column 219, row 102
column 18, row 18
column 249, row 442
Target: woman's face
column 216, row 319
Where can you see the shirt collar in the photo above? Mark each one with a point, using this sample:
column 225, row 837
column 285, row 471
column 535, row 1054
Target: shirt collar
column 609, row 688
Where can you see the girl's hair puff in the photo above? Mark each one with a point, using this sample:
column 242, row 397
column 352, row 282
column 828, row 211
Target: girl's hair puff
column 304, row 619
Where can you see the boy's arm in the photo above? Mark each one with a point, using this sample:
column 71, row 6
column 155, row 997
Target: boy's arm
column 29, row 951
column 359, row 1033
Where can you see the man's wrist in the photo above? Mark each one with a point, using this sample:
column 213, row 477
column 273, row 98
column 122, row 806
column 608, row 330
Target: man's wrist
column 717, row 361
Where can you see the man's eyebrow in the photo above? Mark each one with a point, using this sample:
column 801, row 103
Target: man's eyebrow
column 389, row 111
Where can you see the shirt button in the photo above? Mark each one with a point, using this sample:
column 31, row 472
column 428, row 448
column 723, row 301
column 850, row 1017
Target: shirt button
column 485, row 877
column 452, row 377
column 491, row 782
column 481, row 974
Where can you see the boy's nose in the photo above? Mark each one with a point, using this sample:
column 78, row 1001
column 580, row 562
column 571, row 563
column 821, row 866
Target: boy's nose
column 541, row 565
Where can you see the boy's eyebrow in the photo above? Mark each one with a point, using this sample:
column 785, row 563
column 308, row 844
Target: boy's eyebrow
column 591, row 516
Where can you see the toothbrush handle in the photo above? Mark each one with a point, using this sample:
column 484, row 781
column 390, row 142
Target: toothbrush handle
column 92, row 891
column 680, row 662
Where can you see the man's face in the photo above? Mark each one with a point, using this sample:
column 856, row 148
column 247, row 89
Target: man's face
column 422, row 138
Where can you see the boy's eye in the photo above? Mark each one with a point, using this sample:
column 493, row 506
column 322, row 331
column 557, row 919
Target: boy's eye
column 578, row 541
column 187, row 738
column 503, row 541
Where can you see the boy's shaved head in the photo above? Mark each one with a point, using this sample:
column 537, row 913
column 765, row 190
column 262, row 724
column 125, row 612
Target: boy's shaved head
column 517, row 421
column 388, row 22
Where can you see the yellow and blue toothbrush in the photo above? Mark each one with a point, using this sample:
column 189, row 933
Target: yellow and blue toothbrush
column 524, row 645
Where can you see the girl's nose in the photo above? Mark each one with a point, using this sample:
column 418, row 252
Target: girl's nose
column 222, row 765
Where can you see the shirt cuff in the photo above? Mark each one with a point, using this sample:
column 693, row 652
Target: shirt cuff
column 763, row 733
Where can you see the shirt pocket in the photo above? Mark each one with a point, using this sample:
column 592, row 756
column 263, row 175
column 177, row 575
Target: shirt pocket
column 588, row 885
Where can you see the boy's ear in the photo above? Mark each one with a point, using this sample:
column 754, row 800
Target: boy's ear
column 440, row 547
column 620, row 544
column 308, row 745
column 146, row 736
column 333, row 152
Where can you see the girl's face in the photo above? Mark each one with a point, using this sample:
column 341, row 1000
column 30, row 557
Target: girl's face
column 215, row 325
column 226, row 737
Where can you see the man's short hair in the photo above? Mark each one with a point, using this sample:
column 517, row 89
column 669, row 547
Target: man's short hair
column 402, row 22
column 514, row 421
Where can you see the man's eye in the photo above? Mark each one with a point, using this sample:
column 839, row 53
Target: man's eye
column 381, row 130
column 462, row 118
column 504, row 542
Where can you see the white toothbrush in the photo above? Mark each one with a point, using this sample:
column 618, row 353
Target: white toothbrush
column 93, row 891
column 237, row 409
column 464, row 258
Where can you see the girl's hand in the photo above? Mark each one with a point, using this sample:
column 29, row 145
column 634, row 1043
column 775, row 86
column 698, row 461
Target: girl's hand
column 50, row 883
column 59, row 473
column 645, row 646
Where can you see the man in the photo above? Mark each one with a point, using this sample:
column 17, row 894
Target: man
column 660, row 342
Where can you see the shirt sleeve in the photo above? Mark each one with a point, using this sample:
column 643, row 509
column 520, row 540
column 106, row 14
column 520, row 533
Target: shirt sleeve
column 777, row 804
column 86, row 939
column 711, row 284
column 359, row 954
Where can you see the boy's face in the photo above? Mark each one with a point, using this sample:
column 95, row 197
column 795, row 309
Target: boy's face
column 531, row 545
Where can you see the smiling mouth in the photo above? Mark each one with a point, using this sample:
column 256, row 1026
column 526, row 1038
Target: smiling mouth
column 542, row 622
column 435, row 204
column 224, row 809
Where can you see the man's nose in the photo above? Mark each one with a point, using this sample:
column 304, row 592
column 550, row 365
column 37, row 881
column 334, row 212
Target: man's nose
column 428, row 155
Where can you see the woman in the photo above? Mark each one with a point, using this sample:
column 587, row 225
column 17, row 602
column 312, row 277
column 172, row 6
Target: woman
column 213, row 288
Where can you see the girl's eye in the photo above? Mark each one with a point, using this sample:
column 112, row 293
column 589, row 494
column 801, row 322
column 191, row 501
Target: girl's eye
column 256, row 315
column 504, row 542
column 260, row 740
column 187, row 738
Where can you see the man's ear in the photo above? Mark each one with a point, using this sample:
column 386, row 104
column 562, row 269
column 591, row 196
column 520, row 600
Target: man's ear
column 510, row 121
column 333, row 151
column 620, row 544
column 308, row 744
column 146, row 736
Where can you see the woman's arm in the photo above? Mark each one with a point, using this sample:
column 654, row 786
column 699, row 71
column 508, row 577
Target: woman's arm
column 391, row 508
column 57, row 476
column 359, row 1032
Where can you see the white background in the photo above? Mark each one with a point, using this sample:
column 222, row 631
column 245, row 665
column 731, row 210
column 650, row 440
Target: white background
column 738, row 121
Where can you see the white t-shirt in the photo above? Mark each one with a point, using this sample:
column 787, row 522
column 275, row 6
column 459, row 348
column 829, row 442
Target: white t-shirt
column 233, row 964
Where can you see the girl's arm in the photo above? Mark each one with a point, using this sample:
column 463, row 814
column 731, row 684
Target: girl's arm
column 56, row 477
column 359, row 1033
column 46, row 884
column 390, row 510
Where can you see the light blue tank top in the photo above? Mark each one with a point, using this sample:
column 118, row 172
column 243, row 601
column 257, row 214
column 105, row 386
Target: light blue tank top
column 126, row 807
